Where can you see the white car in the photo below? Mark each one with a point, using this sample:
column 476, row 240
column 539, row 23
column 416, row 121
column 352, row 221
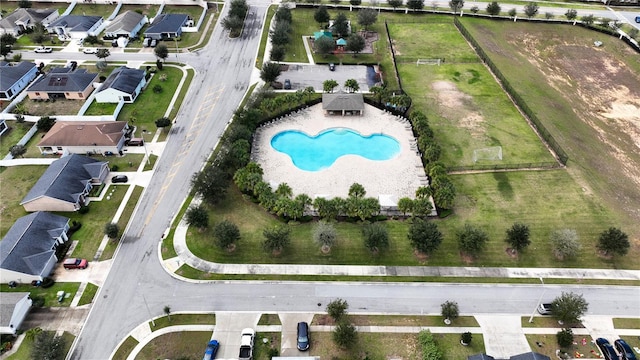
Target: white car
column 43, row 49
column 90, row 50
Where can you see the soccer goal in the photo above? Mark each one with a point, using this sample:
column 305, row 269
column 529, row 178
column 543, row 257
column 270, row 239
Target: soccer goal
column 490, row 153
column 428, row 61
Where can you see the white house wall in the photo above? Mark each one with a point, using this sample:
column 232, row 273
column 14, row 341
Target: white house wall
column 20, row 312
column 10, row 275
column 22, row 83
column 82, row 150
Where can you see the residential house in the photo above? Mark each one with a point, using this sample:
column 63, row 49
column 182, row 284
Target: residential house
column 75, row 26
column 28, row 250
column 342, row 104
column 14, row 78
column 23, row 19
column 123, row 84
column 63, row 83
column 65, row 184
column 166, row 26
column 76, row 137
column 14, row 308
column 127, row 24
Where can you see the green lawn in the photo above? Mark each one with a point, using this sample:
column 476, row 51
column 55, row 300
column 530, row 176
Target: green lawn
column 88, row 294
column 183, row 93
column 93, row 10
column 147, row 9
column 398, row 320
column 24, row 352
column 128, row 162
column 21, row 178
column 550, row 344
column 265, row 36
column 48, row 294
column 125, row 349
column 97, row 108
column 626, row 323
column 123, row 222
column 183, row 319
column 188, row 345
column 13, row 135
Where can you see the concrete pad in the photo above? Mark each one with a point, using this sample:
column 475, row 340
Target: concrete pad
column 227, row 331
column 503, row 335
column 288, row 340
column 600, row 327
column 95, row 273
column 303, row 75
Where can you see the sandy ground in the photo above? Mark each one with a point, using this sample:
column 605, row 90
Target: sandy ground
column 387, row 180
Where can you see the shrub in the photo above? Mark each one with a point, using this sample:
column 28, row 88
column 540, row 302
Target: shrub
column 226, row 233
column 564, row 338
column 565, row 243
column 430, row 350
column 324, row 234
column 83, row 209
column 115, row 167
column 157, row 89
column 449, row 310
column 337, row 309
column 47, row 282
column 376, row 237
column 466, row 337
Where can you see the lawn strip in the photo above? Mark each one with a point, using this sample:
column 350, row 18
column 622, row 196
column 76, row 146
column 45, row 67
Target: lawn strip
column 110, row 249
column 49, row 295
column 626, row 323
column 22, row 179
column 269, row 319
column 88, row 294
column 125, row 349
column 183, row 319
column 183, row 344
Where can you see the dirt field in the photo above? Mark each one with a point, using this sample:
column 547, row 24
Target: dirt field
column 588, row 97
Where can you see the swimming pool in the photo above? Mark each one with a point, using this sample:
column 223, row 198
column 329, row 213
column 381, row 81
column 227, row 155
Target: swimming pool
column 314, row 153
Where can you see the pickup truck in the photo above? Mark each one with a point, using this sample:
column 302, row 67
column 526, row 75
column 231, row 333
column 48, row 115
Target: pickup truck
column 246, row 344
column 43, row 49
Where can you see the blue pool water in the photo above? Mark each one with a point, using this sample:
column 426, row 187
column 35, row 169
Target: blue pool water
column 320, row 152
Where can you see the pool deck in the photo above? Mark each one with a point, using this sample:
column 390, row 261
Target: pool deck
column 387, row 180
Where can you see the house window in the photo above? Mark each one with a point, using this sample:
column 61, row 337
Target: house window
column 127, row 98
column 48, row 148
column 3, row 95
column 59, row 147
column 67, row 94
column 80, row 95
column 37, row 94
column 10, row 92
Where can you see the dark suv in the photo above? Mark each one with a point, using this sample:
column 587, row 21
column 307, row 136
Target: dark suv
column 625, row 350
column 303, row 336
column 606, row 349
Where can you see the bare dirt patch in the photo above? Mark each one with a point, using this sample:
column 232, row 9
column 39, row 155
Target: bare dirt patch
column 52, row 108
column 458, row 106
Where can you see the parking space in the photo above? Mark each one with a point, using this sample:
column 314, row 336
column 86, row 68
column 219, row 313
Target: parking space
column 289, row 323
column 302, row 76
column 227, row 331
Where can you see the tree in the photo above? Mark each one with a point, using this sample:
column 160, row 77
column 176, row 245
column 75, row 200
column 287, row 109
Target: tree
column 16, row 58
column 329, row 85
column 588, row 19
column 283, row 14
column 493, row 8
column 564, row 338
column 565, row 243
column 25, row 4
column 548, row 15
column 39, row 34
column 405, row 205
column 197, row 216
column 345, row 335
column 337, row 309
column 613, row 242
column 445, row 193
column 376, row 237
column 571, row 14
column 357, row 191
column 395, row 4
column 161, row 51
column 355, row 2
column 379, row 92
column 351, row 85
column 518, row 236
column 324, row 234
column 276, row 238
column 415, row 4
column 471, row 240
column 569, row 307
column 512, row 12
column 163, row 122
column 367, row 17
column 456, row 5
column 19, row 118
column 424, row 236
column 111, row 230
column 48, row 346
column 321, row 15
column 45, row 123
column 6, row 43
column 17, row 150
column 324, row 46
column 211, row 183
column 465, row 338
column 632, row 33
column 233, row 24
column 226, row 233
column 103, row 54
column 157, row 89
column 531, row 9
column 449, row 310
column 167, row 311
column 238, row 8
column 281, row 33
column 92, row 39
column 270, row 72
column 277, row 53
column 341, row 25
column 355, row 43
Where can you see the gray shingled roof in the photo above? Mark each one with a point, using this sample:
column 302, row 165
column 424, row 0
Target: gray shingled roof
column 66, row 178
column 530, row 356
column 28, row 245
column 76, row 22
column 480, row 357
column 8, row 305
column 30, row 16
column 342, row 101
column 9, row 75
column 126, row 21
column 167, row 23
column 123, row 79
column 60, row 80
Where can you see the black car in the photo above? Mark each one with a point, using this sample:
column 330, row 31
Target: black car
column 332, row 67
column 606, row 349
column 303, row 336
column 119, row 179
column 287, row 84
column 625, row 350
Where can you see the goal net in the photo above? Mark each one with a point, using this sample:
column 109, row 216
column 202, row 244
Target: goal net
column 428, row 61
column 490, row 153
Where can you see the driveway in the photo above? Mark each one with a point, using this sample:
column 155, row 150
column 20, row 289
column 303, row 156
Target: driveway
column 302, row 76
column 228, row 330
column 289, row 341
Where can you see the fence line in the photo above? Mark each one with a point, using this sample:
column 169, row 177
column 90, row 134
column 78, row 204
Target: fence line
column 489, row 167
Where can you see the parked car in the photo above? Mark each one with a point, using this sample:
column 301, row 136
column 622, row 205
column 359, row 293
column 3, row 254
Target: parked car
column 544, row 309
column 119, row 179
column 75, row 263
column 153, row 43
column 287, row 84
column 134, row 142
column 43, row 49
column 625, row 350
column 606, row 349
column 638, row 19
column 90, row 50
column 332, row 67
column 303, row 336
column 212, row 349
column 146, row 42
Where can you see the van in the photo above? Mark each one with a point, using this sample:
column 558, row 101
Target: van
column 136, row 142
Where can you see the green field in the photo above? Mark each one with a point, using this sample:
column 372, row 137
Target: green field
column 13, row 135
column 24, row 351
column 21, row 178
column 188, row 345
